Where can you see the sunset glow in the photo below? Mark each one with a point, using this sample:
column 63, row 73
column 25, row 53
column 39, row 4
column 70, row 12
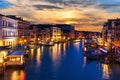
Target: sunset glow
column 88, row 14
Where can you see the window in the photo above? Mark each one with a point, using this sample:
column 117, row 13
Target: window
column 14, row 59
column 3, row 22
column 3, row 33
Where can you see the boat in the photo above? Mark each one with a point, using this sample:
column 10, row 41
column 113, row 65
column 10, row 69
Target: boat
column 41, row 43
column 95, row 53
column 16, row 58
column 91, row 56
column 49, row 43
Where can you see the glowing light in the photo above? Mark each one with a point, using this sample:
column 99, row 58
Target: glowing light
column 55, row 52
column 85, row 49
column 38, row 56
column 4, row 53
column 25, row 40
column 22, row 75
column 64, row 48
column 16, row 75
column 70, row 22
column 20, row 59
column 1, row 60
column 106, row 71
column 32, row 52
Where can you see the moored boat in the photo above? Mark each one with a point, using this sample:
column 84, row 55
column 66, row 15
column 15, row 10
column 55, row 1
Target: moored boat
column 95, row 53
column 16, row 58
column 49, row 43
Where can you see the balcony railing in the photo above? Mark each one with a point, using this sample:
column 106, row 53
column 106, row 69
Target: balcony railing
column 5, row 37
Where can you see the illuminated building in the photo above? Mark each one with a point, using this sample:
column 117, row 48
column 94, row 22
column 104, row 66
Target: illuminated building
column 89, row 34
column 3, row 53
column 23, row 29
column 67, row 30
column 55, row 34
column 78, row 35
column 111, row 32
column 34, row 33
column 47, row 32
column 8, row 31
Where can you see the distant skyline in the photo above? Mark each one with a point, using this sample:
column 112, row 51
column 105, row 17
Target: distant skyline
column 86, row 14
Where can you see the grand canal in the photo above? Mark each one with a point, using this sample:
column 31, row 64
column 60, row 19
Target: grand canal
column 63, row 62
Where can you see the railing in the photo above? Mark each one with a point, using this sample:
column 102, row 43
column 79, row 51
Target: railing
column 7, row 37
column 11, row 36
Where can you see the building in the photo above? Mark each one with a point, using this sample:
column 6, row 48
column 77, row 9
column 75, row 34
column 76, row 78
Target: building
column 23, row 29
column 55, row 34
column 44, row 34
column 78, row 34
column 8, row 31
column 34, row 33
column 111, row 33
column 67, row 31
column 47, row 32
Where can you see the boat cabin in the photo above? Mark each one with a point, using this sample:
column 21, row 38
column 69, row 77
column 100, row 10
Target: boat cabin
column 15, row 58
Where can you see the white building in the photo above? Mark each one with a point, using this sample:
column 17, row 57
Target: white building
column 8, row 31
column 55, row 34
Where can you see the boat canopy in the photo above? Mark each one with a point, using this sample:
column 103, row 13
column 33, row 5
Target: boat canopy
column 16, row 53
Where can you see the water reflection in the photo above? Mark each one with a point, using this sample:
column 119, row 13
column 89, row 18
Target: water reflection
column 106, row 71
column 55, row 52
column 32, row 52
column 14, row 75
column 84, row 61
column 63, row 62
column 38, row 56
column 64, row 48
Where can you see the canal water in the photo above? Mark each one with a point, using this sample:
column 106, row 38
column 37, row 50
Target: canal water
column 63, row 62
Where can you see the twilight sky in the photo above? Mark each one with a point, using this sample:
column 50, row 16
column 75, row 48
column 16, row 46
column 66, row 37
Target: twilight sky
column 85, row 14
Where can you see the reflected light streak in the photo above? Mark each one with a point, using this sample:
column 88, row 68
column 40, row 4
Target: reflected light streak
column 76, row 45
column 64, row 48
column 59, row 49
column 18, row 76
column 38, row 56
column 42, row 49
column 54, row 53
column 84, row 63
column 22, row 75
column 15, row 75
column 106, row 71
column 32, row 52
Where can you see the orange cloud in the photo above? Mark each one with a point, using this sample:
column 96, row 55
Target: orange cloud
column 88, row 17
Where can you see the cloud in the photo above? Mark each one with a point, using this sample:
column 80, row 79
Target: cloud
column 46, row 7
column 109, row 6
column 88, row 14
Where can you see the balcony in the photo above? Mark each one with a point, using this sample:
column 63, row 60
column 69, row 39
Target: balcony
column 9, row 37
